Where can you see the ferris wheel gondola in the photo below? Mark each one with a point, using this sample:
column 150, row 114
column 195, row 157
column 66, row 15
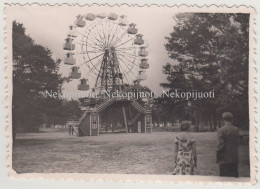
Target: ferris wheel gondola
column 144, row 64
column 75, row 74
column 143, row 52
column 131, row 29
column 122, row 21
column 142, row 75
column 72, row 33
column 80, row 22
column 107, row 50
column 69, row 59
column 68, row 45
column 83, row 86
column 112, row 16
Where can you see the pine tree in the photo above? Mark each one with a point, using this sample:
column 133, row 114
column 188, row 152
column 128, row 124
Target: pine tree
column 210, row 51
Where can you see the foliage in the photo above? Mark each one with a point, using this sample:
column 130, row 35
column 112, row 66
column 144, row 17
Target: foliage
column 209, row 52
column 34, row 72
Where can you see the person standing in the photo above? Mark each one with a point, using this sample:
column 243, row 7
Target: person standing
column 227, row 149
column 70, row 129
column 185, row 152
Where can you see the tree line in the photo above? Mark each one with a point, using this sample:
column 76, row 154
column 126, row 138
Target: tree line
column 35, row 71
column 208, row 52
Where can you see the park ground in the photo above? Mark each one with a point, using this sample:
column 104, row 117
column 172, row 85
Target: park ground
column 54, row 151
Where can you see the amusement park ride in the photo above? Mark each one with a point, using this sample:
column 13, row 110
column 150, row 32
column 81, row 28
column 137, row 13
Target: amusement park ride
column 107, row 53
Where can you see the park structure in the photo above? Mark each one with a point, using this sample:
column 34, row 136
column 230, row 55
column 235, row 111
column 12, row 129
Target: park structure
column 106, row 53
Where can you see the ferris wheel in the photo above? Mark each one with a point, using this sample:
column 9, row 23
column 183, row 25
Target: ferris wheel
column 105, row 52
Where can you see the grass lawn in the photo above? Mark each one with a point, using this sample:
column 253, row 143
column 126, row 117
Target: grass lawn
column 133, row 153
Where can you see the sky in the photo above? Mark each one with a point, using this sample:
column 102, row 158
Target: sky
column 48, row 26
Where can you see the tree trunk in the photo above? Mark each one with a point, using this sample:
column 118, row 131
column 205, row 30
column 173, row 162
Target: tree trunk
column 219, row 123
column 210, row 124
column 215, row 122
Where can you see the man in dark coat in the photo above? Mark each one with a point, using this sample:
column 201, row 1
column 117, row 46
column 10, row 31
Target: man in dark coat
column 227, row 149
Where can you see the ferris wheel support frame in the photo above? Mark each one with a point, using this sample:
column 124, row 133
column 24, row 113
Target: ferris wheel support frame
column 109, row 73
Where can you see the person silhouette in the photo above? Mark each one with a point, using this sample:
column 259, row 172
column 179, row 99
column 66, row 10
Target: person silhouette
column 227, row 148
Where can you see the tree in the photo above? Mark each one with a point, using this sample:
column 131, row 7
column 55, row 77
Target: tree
column 61, row 111
column 34, row 71
column 210, row 51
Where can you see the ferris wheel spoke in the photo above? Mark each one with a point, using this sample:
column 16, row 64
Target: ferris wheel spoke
column 124, row 34
column 104, row 35
column 81, row 33
column 94, row 51
column 86, row 28
column 86, row 61
column 127, row 75
column 108, row 36
column 124, row 42
column 97, row 42
column 119, row 38
column 87, row 34
column 129, row 62
column 104, row 30
column 100, row 46
column 109, row 33
column 123, row 71
column 92, row 46
column 114, row 34
column 91, row 59
column 84, row 51
column 83, row 43
column 88, row 71
column 93, row 39
column 96, row 65
column 99, row 37
column 129, row 68
column 126, row 48
column 128, row 54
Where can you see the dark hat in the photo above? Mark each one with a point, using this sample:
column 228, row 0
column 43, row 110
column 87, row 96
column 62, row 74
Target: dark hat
column 185, row 125
column 227, row 116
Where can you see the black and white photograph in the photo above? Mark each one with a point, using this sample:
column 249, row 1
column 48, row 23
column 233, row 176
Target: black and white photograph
column 131, row 90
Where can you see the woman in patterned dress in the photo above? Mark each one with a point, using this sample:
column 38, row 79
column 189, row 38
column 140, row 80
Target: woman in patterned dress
column 185, row 152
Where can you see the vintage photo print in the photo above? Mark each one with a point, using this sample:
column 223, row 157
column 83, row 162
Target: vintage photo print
column 130, row 92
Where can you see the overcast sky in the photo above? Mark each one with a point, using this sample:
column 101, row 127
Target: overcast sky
column 48, row 26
